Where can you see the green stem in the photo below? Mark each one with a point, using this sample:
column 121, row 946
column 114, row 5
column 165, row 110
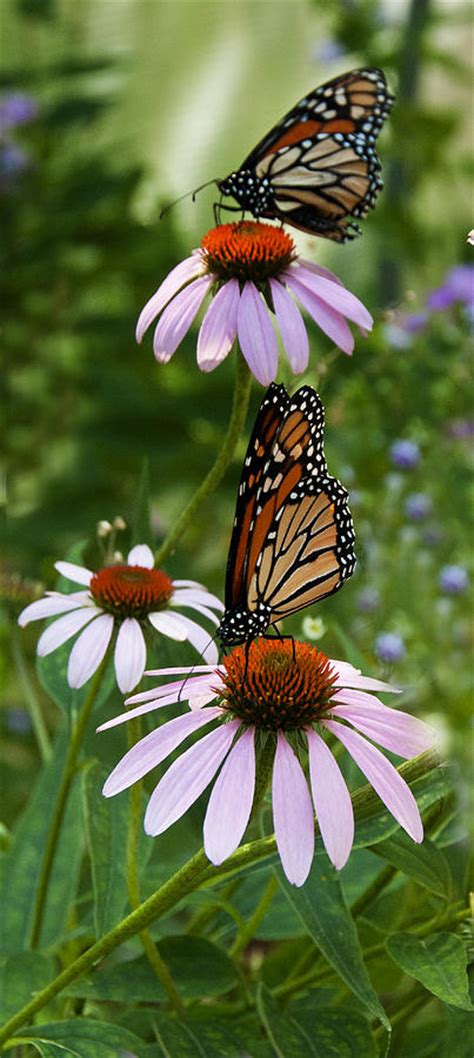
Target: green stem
column 157, row 964
column 373, row 890
column 237, row 419
column 34, row 708
column 193, row 874
column 248, row 932
column 61, row 802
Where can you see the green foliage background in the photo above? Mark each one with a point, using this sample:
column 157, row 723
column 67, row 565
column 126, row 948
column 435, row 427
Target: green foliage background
column 138, row 103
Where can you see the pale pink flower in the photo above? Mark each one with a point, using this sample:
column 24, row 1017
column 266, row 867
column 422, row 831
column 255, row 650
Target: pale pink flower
column 122, row 598
column 294, row 695
column 252, row 269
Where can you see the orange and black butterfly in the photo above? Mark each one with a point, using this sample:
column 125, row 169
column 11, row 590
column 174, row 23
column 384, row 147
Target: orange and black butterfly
column 318, row 165
column 293, row 539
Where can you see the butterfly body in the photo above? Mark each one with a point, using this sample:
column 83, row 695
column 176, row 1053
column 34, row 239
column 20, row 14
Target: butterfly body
column 319, row 165
column 292, row 541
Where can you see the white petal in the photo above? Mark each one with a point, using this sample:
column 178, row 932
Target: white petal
column 49, row 607
column 141, row 555
column 198, row 595
column 79, row 574
column 130, row 655
column 89, row 650
column 169, row 625
column 201, row 640
column 62, row 629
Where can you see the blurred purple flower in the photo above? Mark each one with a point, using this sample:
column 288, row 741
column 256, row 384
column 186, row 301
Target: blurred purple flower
column 327, row 50
column 17, row 108
column 415, row 322
column 13, row 160
column 457, row 286
column 453, row 579
column 368, row 600
column 418, row 506
column 389, row 647
column 405, row 454
column 461, row 428
column 17, row 721
column 397, row 336
column 432, row 536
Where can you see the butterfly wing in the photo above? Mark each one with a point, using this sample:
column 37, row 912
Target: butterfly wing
column 319, row 165
column 292, row 542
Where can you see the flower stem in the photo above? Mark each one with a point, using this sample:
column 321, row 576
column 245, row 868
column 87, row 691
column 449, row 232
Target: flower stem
column 34, row 707
column 240, row 402
column 69, row 772
column 248, row 932
column 157, row 964
column 196, row 872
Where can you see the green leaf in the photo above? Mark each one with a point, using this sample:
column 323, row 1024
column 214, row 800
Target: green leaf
column 21, row 975
column 83, row 1038
column 204, row 1039
column 106, row 830
column 457, row 1036
column 317, row 1033
column 437, row 961
column 425, row 863
column 52, row 674
column 198, row 968
column 22, row 864
column 321, row 905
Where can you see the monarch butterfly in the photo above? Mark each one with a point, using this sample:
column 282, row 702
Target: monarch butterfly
column 318, row 165
column 292, row 541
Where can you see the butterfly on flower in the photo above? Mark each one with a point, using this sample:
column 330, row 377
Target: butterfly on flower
column 318, row 165
column 293, row 540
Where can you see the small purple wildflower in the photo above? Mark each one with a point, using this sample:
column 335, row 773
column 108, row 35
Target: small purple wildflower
column 389, row 647
column 415, row 322
column 405, row 454
column 418, row 506
column 454, row 579
column 17, row 721
column 458, row 286
column 13, row 160
column 461, row 428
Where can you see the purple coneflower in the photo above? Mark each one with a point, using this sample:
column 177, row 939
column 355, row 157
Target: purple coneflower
column 252, row 269
column 123, row 597
column 293, row 695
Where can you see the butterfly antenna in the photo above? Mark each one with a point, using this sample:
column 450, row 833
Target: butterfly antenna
column 212, row 639
column 188, row 194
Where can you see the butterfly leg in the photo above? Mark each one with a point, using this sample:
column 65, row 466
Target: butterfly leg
column 281, row 638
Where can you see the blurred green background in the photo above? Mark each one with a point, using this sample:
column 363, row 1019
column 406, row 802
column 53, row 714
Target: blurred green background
column 110, row 109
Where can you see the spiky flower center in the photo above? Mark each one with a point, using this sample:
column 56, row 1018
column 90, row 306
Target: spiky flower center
column 247, row 250
column 131, row 591
column 277, row 685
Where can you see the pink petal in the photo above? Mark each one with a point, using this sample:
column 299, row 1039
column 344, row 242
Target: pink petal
column 141, row 555
column 256, row 335
column 179, row 598
column 317, row 269
column 189, row 692
column 348, row 676
column 169, row 625
column 183, row 272
column 328, row 319
column 178, row 317
column 130, row 655
column 331, row 800
column 62, row 629
column 89, row 650
column 200, row 640
column 230, row 803
column 154, row 748
column 179, row 668
column 219, row 327
column 335, row 295
column 187, row 777
column 292, row 814
column 384, row 778
column 49, row 607
column 79, row 574
column 292, row 328
column 178, row 687
column 391, row 728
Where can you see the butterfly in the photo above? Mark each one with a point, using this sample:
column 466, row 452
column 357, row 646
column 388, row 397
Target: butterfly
column 318, row 165
column 293, row 540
